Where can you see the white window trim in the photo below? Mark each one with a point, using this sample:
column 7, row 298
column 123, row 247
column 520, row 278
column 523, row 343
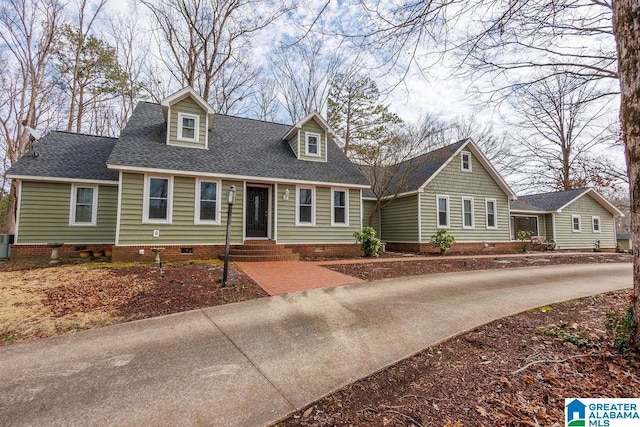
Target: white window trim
column 593, row 228
column 462, row 154
column 196, row 219
column 196, row 132
column 306, row 144
column 313, row 206
column 495, row 214
column 346, row 208
column 145, row 201
column 72, row 207
column 579, row 230
column 473, row 219
column 438, row 197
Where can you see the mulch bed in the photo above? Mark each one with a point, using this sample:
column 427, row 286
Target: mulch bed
column 511, row 372
column 141, row 291
column 439, row 264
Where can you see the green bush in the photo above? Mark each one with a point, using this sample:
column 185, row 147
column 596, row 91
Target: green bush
column 621, row 326
column 524, row 237
column 368, row 241
column 442, row 240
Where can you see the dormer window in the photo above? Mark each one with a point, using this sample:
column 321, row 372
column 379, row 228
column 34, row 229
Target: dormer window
column 465, row 159
column 312, row 146
column 188, row 126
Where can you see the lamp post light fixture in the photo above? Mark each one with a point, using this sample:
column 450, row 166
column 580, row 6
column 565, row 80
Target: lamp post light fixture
column 231, row 196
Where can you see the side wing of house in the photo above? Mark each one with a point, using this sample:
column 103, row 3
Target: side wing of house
column 583, row 224
column 368, row 206
column 74, row 213
column 465, row 199
column 399, row 220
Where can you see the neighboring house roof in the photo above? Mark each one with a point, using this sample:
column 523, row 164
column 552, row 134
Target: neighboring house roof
column 623, row 236
column 242, row 147
column 414, row 174
column 67, row 156
column 557, row 200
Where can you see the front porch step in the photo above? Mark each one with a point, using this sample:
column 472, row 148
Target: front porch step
column 261, row 250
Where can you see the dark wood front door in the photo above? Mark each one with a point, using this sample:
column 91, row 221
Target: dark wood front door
column 257, row 215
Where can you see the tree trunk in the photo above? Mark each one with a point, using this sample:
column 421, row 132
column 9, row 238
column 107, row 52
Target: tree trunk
column 10, row 218
column 626, row 28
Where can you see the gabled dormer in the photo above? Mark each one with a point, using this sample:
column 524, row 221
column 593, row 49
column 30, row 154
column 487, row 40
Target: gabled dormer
column 189, row 118
column 309, row 137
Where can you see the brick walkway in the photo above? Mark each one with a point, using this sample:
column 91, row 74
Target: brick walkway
column 281, row 277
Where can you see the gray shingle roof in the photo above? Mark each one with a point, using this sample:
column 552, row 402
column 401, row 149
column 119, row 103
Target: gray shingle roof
column 237, row 146
column 623, row 236
column 546, row 202
column 68, row 155
column 411, row 174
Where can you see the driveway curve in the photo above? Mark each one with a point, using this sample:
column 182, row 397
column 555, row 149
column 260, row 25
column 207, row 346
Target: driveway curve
column 252, row 363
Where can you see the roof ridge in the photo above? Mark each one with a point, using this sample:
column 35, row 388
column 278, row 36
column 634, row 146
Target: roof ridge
column 81, row 134
column 556, row 192
column 229, row 115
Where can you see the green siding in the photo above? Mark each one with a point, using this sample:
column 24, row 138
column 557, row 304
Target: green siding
column 312, row 127
column 548, row 227
column 293, row 142
column 44, row 215
column 322, row 231
column 455, row 183
column 188, row 106
column 586, row 207
column 399, row 220
column 367, row 208
column 182, row 230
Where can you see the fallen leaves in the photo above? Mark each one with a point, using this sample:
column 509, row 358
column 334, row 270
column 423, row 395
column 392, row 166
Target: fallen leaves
column 450, row 385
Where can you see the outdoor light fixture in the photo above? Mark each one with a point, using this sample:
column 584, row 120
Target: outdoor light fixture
column 231, row 196
column 286, row 195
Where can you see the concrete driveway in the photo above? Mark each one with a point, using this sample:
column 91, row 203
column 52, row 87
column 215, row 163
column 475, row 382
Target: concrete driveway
column 251, row 363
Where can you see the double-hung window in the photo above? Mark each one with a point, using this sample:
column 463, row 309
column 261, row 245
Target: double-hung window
column 595, row 224
column 312, row 144
column 443, row 211
column 157, row 199
column 492, row 221
column 576, row 223
column 207, row 200
column 465, row 161
column 340, row 207
column 305, row 206
column 467, row 212
column 188, row 127
column 84, row 205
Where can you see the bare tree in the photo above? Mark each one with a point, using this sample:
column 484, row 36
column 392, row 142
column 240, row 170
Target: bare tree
column 390, row 159
column 201, row 40
column 132, row 54
column 74, row 61
column 558, row 129
column 303, row 73
column 265, row 100
column 28, row 33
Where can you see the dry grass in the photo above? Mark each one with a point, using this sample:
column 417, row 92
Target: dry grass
column 23, row 312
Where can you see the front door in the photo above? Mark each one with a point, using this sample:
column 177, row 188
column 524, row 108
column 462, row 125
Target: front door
column 257, row 216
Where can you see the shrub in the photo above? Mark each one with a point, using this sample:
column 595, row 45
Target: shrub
column 442, row 240
column 622, row 327
column 524, row 237
column 368, row 241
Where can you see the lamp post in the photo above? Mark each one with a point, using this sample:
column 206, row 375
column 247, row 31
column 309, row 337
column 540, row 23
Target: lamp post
column 231, row 195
